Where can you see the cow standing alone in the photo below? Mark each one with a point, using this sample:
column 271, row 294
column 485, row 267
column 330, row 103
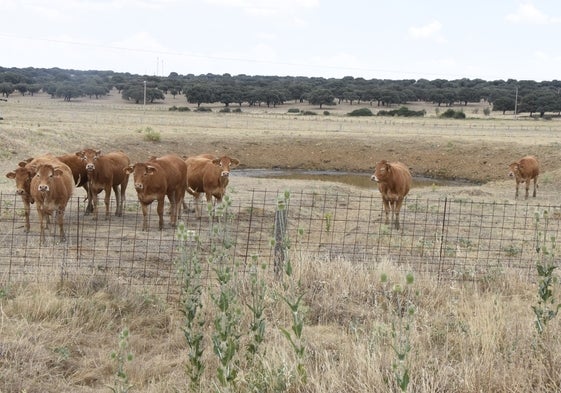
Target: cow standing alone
column 524, row 170
column 394, row 182
column 51, row 189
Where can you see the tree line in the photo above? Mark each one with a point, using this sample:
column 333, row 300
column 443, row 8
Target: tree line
column 503, row 95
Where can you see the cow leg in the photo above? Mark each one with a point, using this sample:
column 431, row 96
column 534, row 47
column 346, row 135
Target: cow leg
column 144, row 216
column 41, row 225
column 172, row 210
column 535, row 186
column 397, row 209
column 95, row 197
column 60, row 221
column 386, row 204
column 517, row 186
column 107, row 201
column 27, row 211
column 118, row 202
column 160, row 210
column 123, row 194
column 89, row 207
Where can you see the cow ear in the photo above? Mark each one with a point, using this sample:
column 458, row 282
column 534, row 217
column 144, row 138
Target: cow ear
column 235, row 162
column 57, row 171
column 11, row 175
column 22, row 164
column 150, row 169
column 98, row 152
column 216, row 161
column 129, row 169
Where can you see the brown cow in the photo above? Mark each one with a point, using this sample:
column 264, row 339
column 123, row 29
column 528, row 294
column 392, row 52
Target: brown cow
column 524, row 170
column 209, row 176
column 22, row 177
column 106, row 171
column 394, row 182
column 51, row 189
column 157, row 178
column 80, row 175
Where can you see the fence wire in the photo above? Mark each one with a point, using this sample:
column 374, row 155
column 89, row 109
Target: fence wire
column 451, row 238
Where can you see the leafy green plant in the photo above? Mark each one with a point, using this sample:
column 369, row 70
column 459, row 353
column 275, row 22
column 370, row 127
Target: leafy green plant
column 401, row 308
column 121, row 356
column 293, row 297
column 151, row 135
column 361, row 112
column 328, row 218
column 547, row 306
column 190, row 273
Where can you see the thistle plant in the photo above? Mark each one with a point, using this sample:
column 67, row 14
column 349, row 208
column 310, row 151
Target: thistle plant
column 292, row 296
column 547, row 306
column 402, row 311
column 190, row 270
column 121, row 356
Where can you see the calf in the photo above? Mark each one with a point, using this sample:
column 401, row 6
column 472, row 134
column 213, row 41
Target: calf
column 106, row 171
column 51, row 189
column 22, row 177
column 209, row 176
column 394, row 182
column 524, row 170
column 80, row 175
column 157, row 178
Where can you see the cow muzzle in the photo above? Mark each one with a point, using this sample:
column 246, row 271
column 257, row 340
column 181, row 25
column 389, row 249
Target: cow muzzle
column 374, row 178
column 43, row 188
column 90, row 167
column 138, row 186
column 20, row 192
column 225, row 174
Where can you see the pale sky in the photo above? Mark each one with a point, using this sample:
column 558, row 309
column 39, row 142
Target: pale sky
column 490, row 40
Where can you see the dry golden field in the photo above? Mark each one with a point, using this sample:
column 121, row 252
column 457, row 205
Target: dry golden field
column 465, row 336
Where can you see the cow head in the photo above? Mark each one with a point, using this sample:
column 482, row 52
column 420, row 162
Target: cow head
column 226, row 163
column 514, row 169
column 381, row 171
column 22, row 175
column 89, row 157
column 140, row 171
column 45, row 175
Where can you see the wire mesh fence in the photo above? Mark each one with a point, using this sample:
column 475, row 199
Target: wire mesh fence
column 450, row 238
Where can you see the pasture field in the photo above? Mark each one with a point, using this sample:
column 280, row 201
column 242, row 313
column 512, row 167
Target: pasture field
column 465, row 335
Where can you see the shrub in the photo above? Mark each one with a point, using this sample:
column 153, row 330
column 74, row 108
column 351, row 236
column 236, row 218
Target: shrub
column 403, row 111
column 326, row 113
column 309, row 113
column 203, row 109
column 452, row 114
column 150, row 135
column 487, row 111
column 293, row 110
column 179, row 108
column 226, row 109
column 361, row 112
column 237, row 110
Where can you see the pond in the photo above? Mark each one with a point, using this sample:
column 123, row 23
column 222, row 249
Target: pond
column 356, row 179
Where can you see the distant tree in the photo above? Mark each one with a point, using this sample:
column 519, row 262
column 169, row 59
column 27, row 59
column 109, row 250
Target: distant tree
column 68, row 90
column 321, row 97
column 504, row 104
column 134, row 92
column 22, row 88
column 199, row 93
column 6, row 88
column 33, row 89
column 154, row 94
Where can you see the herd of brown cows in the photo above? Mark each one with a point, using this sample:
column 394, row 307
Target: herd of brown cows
column 49, row 181
column 394, row 182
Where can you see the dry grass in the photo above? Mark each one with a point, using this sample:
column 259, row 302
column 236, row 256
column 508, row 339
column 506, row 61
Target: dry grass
column 466, row 336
